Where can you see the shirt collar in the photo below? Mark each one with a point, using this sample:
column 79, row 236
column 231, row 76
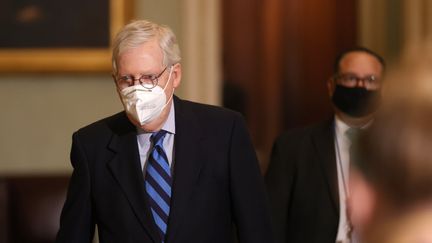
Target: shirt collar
column 340, row 126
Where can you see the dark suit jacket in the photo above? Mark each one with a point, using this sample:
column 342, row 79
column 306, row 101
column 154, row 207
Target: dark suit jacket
column 302, row 185
column 217, row 182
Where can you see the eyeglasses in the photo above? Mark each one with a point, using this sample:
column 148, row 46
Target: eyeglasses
column 352, row 80
column 148, row 81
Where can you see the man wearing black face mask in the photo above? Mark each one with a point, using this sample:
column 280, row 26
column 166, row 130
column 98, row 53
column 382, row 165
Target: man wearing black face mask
column 308, row 172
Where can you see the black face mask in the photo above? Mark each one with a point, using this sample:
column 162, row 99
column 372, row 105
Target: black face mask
column 356, row 102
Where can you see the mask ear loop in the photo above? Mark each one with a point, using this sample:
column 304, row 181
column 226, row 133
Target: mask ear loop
column 169, row 77
column 166, row 85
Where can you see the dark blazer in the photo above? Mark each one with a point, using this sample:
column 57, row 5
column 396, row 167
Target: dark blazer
column 217, row 182
column 302, row 185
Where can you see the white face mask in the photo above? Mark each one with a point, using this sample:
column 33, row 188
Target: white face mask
column 144, row 105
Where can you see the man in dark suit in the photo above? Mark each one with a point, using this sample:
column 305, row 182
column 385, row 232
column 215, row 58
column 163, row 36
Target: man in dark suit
column 166, row 169
column 308, row 172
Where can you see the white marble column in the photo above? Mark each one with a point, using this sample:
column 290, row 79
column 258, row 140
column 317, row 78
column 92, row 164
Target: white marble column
column 197, row 26
column 417, row 24
column 201, row 48
column 372, row 24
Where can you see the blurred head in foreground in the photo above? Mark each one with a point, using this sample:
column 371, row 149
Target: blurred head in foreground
column 391, row 182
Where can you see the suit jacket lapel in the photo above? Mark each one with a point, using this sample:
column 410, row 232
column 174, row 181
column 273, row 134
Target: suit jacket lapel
column 323, row 140
column 126, row 169
column 187, row 165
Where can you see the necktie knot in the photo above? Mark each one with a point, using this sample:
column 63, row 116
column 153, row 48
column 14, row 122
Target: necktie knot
column 352, row 133
column 158, row 137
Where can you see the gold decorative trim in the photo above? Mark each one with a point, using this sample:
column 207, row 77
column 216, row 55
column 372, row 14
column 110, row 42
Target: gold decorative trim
column 67, row 59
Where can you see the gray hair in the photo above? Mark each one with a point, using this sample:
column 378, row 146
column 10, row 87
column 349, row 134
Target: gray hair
column 139, row 32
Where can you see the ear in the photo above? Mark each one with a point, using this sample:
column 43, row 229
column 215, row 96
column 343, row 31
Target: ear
column 176, row 74
column 117, row 87
column 114, row 78
column 330, row 86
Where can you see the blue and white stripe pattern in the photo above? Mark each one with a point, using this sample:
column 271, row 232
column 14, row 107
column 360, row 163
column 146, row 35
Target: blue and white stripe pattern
column 158, row 182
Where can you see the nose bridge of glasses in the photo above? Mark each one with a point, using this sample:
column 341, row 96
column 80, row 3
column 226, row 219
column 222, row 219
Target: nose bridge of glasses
column 361, row 82
column 136, row 81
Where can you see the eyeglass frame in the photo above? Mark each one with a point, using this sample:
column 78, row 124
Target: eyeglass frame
column 352, row 80
column 154, row 79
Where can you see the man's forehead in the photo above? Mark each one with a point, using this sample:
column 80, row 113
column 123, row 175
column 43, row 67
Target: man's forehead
column 360, row 61
column 359, row 55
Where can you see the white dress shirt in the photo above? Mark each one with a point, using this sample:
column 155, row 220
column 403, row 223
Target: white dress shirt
column 342, row 145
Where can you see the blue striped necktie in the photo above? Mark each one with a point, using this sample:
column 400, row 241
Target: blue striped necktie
column 158, row 183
